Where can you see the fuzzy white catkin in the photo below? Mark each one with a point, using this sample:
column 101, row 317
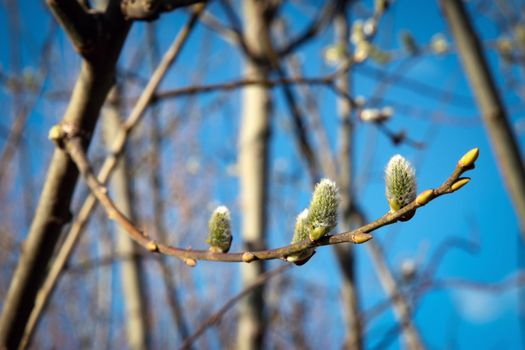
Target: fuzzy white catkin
column 301, row 231
column 322, row 214
column 300, row 234
column 400, row 183
column 219, row 230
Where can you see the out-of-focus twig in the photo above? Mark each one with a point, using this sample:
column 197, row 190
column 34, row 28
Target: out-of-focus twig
column 216, row 317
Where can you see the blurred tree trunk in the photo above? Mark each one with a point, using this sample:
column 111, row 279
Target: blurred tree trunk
column 345, row 253
column 133, row 291
column 489, row 101
column 502, row 138
column 96, row 76
column 253, row 169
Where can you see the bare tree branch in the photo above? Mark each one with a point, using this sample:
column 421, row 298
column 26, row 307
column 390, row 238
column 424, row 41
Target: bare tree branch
column 216, row 317
column 74, row 148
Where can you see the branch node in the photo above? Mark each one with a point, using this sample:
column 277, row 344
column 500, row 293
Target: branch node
column 359, row 238
column 190, row 262
column 56, row 135
column 462, row 181
column 152, row 246
column 248, row 257
column 469, row 158
column 424, row 197
column 112, row 215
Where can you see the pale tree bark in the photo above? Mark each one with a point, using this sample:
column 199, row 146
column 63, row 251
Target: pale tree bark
column 95, row 79
column 345, row 253
column 253, row 169
column 493, row 112
column 133, row 289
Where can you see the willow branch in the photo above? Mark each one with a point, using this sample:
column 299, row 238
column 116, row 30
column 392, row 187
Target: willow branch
column 73, row 146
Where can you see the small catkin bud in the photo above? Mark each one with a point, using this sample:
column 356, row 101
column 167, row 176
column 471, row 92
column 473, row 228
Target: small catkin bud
column 462, row 181
column 322, row 214
column 55, row 133
column 400, row 183
column 362, row 51
column 424, row 197
column 248, row 257
column 334, row 54
column 152, row 246
column 469, row 158
column 300, row 234
column 219, row 230
column 190, row 262
column 439, row 44
column 360, row 238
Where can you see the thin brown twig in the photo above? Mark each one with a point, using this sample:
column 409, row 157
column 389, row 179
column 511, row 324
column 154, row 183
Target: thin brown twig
column 73, row 146
column 237, row 84
column 326, row 80
column 318, row 24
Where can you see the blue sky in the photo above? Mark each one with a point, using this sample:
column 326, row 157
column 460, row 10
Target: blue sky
column 481, row 211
